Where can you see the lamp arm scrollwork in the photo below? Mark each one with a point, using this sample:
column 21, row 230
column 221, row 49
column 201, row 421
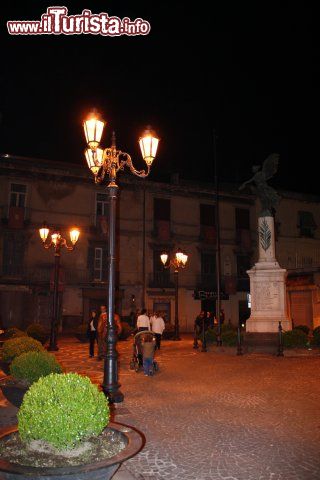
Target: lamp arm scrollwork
column 138, row 173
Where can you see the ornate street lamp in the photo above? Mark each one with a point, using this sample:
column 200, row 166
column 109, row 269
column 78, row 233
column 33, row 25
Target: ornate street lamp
column 105, row 164
column 177, row 262
column 57, row 242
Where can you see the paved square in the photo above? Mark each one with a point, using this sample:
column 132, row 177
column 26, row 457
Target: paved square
column 216, row 416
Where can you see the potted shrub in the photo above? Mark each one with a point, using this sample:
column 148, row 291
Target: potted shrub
column 81, row 333
column 63, row 433
column 26, row 369
column 16, row 346
column 13, row 332
column 38, row 332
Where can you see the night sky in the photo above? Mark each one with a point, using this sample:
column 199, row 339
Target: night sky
column 250, row 70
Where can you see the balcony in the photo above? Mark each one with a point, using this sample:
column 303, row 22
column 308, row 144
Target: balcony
column 161, row 280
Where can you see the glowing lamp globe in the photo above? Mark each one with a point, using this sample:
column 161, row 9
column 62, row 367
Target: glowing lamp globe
column 74, row 235
column 148, row 145
column 93, row 129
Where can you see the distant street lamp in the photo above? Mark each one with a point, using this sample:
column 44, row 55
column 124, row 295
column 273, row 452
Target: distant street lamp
column 57, row 242
column 105, row 164
column 179, row 261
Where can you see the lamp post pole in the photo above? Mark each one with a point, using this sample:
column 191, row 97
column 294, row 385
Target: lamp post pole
column 53, row 347
column 218, row 246
column 176, row 306
column 179, row 261
column 57, row 242
column 110, row 383
column 105, row 164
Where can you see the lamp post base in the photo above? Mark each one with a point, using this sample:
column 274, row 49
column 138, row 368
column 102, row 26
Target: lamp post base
column 113, row 397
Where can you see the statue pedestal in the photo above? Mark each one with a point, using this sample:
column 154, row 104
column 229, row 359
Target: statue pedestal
column 267, row 285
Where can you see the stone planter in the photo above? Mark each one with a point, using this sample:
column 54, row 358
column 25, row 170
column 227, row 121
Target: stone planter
column 96, row 471
column 13, row 391
column 5, row 367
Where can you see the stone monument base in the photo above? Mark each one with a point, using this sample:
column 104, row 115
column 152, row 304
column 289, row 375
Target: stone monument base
column 268, row 298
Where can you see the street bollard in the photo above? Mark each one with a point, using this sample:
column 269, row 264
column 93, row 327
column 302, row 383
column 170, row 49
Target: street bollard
column 239, row 342
column 280, row 341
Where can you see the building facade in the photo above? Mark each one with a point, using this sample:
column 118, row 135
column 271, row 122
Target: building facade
column 151, row 217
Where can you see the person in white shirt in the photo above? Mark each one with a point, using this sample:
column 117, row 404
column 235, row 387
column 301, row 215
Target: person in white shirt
column 157, row 326
column 143, row 321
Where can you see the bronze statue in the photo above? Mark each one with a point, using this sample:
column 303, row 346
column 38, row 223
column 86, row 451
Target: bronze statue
column 268, row 196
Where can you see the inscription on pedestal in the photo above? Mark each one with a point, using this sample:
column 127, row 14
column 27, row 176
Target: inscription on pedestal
column 266, row 296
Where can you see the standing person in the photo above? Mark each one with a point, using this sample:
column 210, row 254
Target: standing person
column 143, row 321
column 117, row 321
column 157, row 326
column 92, row 332
column 222, row 316
column 148, row 348
column 198, row 327
column 101, row 331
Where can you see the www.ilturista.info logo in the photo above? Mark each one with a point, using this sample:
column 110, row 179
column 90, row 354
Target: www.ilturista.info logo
column 56, row 21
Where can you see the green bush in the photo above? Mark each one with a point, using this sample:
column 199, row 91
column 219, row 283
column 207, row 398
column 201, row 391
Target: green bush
column 211, row 335
column 13, row 332
column 62, row 409
column 16, row 346
column 31, row 366
column 303, row 328
column 228, row 335
column 294, row 338
column 38, row 332
column 126, row 331
column 316, row 336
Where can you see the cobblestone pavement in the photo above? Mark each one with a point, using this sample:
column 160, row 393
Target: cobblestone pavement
column 216, row 416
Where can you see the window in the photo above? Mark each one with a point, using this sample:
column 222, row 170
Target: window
column 13, row 253
column 208, row 270
column 306, row 224
column 207, row 215
column 101, row 204
column 161, row 209
column 97, row 264
column 18, row 195
column 242, row 219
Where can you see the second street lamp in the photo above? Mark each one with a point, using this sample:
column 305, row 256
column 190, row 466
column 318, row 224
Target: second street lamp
column 105, row 164
column 177, row 262
column 57, row 242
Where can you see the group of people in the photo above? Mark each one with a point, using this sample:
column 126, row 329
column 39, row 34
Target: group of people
column 98, row 327
column 97, row 330
column 208, row 320
column 155, row 323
